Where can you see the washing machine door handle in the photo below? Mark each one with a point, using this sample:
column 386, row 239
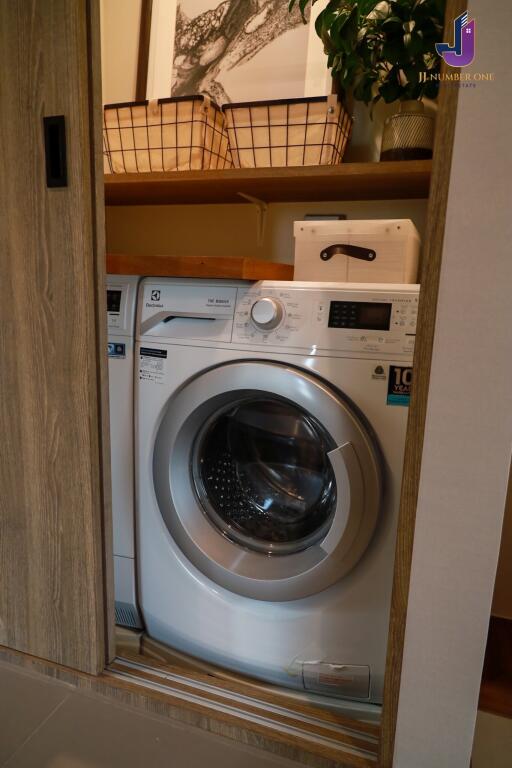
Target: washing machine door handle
column 350, row 507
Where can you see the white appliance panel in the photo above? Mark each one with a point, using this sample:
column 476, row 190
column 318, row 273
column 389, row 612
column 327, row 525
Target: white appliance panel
column 121, row 315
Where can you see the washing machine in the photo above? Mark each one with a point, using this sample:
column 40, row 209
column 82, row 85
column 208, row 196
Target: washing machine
column 121, row 315
column 271, row 421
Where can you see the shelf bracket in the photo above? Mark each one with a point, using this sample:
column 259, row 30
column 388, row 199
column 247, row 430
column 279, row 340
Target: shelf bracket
column 262, row 214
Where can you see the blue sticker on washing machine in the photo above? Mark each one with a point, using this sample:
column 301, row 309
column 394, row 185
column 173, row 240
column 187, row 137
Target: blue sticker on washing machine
column 399, row 384
column 116, row 350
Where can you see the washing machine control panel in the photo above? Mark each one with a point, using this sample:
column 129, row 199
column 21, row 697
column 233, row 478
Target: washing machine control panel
column 271, row 317
column 121, row 304
column 354, row 317
column 115, row 306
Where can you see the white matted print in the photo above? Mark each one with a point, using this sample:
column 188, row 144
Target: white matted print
column 233, row 50
column 161, row 49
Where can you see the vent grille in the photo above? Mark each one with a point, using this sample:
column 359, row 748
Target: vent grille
column 127, row 616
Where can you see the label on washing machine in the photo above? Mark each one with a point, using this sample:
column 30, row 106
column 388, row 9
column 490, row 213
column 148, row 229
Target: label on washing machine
column 399, row 385
column 152, row 365
column 116, row 350
column 349, row 680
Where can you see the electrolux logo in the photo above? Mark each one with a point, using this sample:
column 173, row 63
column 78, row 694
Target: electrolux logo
column 462, row 52
column 155, row 300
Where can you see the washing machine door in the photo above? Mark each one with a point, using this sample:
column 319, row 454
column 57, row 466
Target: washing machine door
column 267, row 480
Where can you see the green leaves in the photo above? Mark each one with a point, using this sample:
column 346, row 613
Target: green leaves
column 365, row 7
column 381, row 11
column 396, row 20
column 391, row 89
column 302, row 7
column 364, row 86
column 377, row 49
column 343, row 30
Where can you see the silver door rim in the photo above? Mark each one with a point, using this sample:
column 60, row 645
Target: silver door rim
column 355, row 462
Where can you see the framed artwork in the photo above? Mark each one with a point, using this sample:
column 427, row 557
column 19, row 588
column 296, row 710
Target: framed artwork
column 231, row 50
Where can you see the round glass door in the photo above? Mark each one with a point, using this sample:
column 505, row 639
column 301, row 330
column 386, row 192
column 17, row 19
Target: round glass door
column 263, row 477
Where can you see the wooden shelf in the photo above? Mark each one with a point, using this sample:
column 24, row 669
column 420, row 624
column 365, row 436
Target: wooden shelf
column 496, row 690
column 350, row 181
column 198, row 266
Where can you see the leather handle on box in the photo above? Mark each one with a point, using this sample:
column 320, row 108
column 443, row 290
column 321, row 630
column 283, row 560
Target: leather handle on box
column 343, row 249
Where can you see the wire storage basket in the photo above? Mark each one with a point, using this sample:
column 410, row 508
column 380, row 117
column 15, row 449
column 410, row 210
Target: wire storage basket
column 177, row 134
column 308, row 131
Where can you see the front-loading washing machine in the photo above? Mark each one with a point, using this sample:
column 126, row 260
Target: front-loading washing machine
column 271, row 422
column 121, row 314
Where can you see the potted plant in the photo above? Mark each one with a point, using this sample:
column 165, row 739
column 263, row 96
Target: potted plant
column 386, row 50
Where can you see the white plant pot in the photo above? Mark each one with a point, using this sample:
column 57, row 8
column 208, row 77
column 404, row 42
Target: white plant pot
column 409, row 133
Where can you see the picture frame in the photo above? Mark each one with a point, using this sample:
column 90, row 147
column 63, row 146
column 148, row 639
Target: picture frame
column 246, row 72
column 146, row 13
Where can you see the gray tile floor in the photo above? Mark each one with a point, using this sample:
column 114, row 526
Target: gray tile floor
column 47, row 724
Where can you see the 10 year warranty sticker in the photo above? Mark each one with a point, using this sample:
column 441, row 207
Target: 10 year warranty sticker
column 399, row 385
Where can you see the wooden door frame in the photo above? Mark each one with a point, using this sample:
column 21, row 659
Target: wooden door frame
column 99, row 239
column 432, row 258
column 55, row 493
column 426, row 325
column 430, row 278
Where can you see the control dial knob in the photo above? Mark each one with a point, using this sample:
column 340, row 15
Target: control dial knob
column 267, row 313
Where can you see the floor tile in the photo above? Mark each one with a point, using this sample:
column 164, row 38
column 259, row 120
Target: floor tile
column 492, row 747
column 87, row 732
column 25, row 702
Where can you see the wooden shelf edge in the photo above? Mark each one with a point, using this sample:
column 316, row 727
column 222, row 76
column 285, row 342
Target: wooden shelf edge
column 197, row 266
column 496, row 698
column 348, row 181
column 496, row 689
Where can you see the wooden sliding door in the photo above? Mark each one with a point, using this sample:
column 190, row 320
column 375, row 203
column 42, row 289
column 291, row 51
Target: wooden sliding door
column 54, row 477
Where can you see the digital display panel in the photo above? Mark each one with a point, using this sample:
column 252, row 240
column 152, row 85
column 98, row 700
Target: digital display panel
column 363, row 315
column 113, row 301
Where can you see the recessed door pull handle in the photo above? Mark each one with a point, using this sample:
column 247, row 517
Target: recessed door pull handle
column 55, row 151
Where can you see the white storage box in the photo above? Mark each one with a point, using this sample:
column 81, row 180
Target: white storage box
column 373, row 251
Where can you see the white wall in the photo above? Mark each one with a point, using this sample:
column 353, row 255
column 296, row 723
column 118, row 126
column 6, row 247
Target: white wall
column 120, row 26
column 468, row 436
